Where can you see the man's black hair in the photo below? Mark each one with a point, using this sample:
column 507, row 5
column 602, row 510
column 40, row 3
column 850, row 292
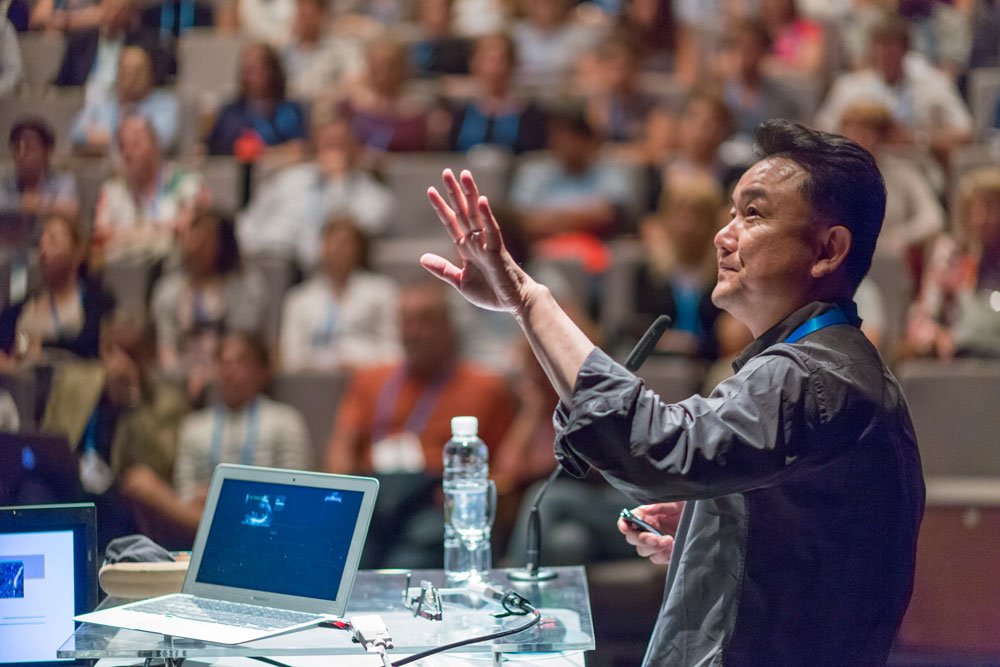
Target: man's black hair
column 844, row 186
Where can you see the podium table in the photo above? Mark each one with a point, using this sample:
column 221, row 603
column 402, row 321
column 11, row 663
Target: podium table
column 564, row 603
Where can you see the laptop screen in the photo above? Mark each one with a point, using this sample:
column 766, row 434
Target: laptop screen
column 46, row 577
column 280, row 538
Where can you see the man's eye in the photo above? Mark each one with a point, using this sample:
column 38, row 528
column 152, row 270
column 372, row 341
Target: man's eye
column 752, row 212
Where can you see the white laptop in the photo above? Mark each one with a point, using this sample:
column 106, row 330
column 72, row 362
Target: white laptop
column 276, row 550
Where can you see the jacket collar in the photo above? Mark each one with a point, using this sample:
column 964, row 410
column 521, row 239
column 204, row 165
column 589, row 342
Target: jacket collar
column 784, row 328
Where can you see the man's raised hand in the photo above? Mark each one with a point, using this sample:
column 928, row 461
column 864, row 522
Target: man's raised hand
column 489, row 277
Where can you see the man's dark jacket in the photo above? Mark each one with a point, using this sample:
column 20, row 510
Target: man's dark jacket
column 799, row 545
column 81, row 51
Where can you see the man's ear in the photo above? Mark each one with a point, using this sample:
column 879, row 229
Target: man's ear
column 834, row 245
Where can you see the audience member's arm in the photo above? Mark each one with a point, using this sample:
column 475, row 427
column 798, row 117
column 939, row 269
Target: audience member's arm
column 296, row 451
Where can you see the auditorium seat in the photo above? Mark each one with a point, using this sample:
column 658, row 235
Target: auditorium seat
column 317, row 396
column 21, row 387
column 984, row 90
column 954, row 615
column 619, row 285
column 410, row 174
column 224, row 182
column 208, row 63
column 41, row 56
column 956, row 416
column 278, row 274
column 90, row 174
column 129, row 280
column 399, row 258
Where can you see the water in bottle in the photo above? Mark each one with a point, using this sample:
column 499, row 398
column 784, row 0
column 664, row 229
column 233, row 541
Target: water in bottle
column 468, row 514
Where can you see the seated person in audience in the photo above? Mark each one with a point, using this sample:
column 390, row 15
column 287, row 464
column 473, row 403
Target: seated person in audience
column 65, row 313
column 140, row 212
column 33, row 187
column 650, row 27
column 287, row 212
column 11, row 68
column 385, row 117
column 797, row 43
column 116, row 416
column 395, row 418
column 570, row 203
column 261, row 115
column 437, row 50
column 925, row 104
column 241, row 426
column 212, row 293
column 956, row 312
column 548, row 42
column 92, row 55
column 94, row 127
column 615, row 106
column 10, row 420
column 268, row 21
column 913, row 212
column 317, row 62
column 496, row 114
column 679, row 269
column 751, row 94
column 345, row 315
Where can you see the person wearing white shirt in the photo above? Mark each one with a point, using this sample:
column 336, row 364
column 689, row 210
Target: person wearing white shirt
column 10, row 59
column 345, row 315
column 287, row 213
column 243, row 426
column 317, row 62
column 259, row 20
column 548, row 42
column 923, row 101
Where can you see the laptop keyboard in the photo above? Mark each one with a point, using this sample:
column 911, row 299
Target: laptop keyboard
column 234, row 614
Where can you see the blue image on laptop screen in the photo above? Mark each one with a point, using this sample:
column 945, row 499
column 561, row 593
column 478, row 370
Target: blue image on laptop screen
column 280, row 538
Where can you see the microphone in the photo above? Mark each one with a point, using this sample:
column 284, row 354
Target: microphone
column 638, row 355
column 532, row 572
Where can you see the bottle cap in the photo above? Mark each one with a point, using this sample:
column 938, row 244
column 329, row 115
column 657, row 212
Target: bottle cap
column 464, row 426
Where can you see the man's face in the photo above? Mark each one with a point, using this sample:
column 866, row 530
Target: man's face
column 241, row 376
column 30, row 155
column 425, row 329
column 574, row 151
column 310, row 19
column 135, row 76
column 137, row 146
column 767, row 250
column 58, row 254
column 887, row 58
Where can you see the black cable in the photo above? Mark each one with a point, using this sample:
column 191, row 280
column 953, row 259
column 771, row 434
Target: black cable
column 522, row 607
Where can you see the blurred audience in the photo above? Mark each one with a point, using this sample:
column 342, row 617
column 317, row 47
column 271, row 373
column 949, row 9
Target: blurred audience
column 957, row 312
column 66, row 15
column 751, row 94
column 679, row 269
column 19, row 14
column 11, row 70
column 116, row 417
column 63, row 316
column 649, row 26
column 924, row 102
column 33, row 187
column 616, row 108
column 570, row 202
column 261, row 119
column 318, row 63
column 345, row 315
column 94, row 128
column 268, row 21
column 209, row 295
column 797, row 43
column 497, row 115
column 242, row 425
column 92, row 55
column 913, row 212
column 396, row 417
column 288, row 211
column 173, row 18
column 437, row 50
column 141, row 211
column 548, row 41
column 383, row 114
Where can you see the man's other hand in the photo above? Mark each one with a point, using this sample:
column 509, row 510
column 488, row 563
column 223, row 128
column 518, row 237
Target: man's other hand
column 662, row 516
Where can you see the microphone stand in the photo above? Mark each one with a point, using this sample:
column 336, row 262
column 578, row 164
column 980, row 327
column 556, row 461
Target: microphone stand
column 532, row 572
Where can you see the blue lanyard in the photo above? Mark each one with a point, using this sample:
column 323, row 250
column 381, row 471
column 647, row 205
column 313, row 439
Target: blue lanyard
column 249, row 447
column 323, row 336
column 814, row 324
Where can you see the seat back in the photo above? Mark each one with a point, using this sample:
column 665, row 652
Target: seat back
column 317, row 396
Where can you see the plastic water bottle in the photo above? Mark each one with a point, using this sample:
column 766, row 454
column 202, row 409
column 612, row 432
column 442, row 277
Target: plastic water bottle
column 469, row 501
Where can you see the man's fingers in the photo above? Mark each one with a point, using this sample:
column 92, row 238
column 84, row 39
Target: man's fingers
column 457, row 199
column 442, row 268
column 471, row 193
column 445, row 214
column 491, row 228
column 656, row 548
